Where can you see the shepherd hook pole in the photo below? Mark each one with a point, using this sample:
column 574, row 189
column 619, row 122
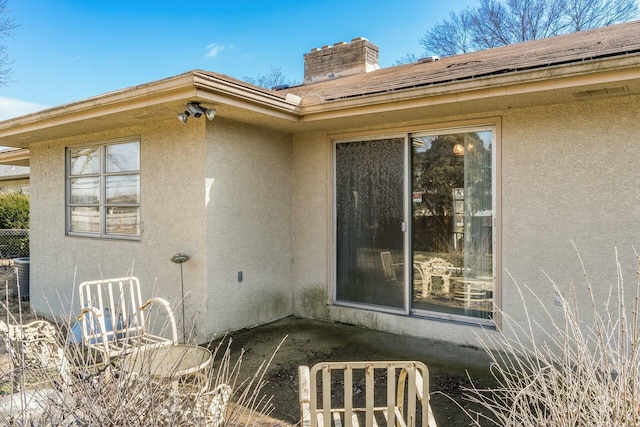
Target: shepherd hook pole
column 181, row 258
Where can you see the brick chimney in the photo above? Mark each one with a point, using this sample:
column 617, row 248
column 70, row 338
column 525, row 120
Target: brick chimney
column 341, row 59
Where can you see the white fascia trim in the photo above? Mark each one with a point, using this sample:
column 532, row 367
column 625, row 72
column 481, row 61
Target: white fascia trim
column 186, row 86
column 246, row 94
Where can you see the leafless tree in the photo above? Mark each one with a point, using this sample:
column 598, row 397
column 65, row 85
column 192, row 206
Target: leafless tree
column 273, row 78
column 408, row 58
column 451, row 36
column 501, row 22
column 7, row 25
column 586, row 14
column 496, row 23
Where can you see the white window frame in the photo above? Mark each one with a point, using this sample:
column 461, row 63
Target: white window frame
column 102, row 205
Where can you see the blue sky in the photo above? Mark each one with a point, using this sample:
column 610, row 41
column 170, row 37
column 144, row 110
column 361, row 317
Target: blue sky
column 68, row 50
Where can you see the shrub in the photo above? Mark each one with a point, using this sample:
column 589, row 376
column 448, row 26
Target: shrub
column 14, row 210
column 584, row 372
column 92, row 394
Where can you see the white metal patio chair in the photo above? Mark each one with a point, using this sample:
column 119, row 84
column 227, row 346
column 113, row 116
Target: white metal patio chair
column 112, row 318
column 404, row 379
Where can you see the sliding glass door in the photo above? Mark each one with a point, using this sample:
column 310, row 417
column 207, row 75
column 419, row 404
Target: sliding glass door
column 415, row 223
column 452, row 227
column 369, row 222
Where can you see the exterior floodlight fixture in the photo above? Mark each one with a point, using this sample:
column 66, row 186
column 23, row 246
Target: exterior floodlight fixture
column 196, row 110
column 210, row 113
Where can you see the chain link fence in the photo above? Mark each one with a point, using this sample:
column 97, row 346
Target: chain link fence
column 14, row 244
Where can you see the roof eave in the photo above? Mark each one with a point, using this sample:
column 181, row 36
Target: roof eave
column 109, row 102
column 219, row 89
column 16, row 157
column 184, row 87
column 168, row 95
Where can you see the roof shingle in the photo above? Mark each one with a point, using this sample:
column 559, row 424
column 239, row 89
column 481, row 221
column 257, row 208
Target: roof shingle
column 600, row 43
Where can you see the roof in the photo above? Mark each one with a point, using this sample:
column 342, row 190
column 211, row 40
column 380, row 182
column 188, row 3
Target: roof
column 600, row 62
column 580, row 47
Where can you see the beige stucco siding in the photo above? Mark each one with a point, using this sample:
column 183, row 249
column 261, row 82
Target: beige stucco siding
column 172, row 212
column 248, row 226
column 570, row 173
column 311, row 194
column 238, row 198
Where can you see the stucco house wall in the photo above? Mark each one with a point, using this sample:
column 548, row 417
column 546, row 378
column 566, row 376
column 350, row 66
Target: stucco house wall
column 224, row 199
column 172, row 176
column 248, row 225
column 568, row 176
column 14, row 178
column 312, row 223
column 19, row 185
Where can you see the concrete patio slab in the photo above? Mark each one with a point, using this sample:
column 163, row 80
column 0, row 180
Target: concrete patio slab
column 310, row 341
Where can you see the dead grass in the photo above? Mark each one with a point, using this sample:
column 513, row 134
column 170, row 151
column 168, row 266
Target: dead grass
column 17, row 309
column 584, row 371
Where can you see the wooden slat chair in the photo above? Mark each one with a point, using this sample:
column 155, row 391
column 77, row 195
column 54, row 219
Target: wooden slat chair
column 112, row 317
column 404, row 379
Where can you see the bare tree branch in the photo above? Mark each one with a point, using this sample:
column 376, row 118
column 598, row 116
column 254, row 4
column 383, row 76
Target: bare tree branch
column 269, row 80
column 450, row 37
column 489, row 25
column 408, row 58
column 7, row 25
column 501, row 22
column 588, row 14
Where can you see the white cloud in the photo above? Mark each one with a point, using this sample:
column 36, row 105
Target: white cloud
column 11, row 107
column 213, row 50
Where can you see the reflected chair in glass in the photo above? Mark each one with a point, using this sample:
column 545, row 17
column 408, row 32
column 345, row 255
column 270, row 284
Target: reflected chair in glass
column 389, row 266
column 472, row 290
column 435, row 267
